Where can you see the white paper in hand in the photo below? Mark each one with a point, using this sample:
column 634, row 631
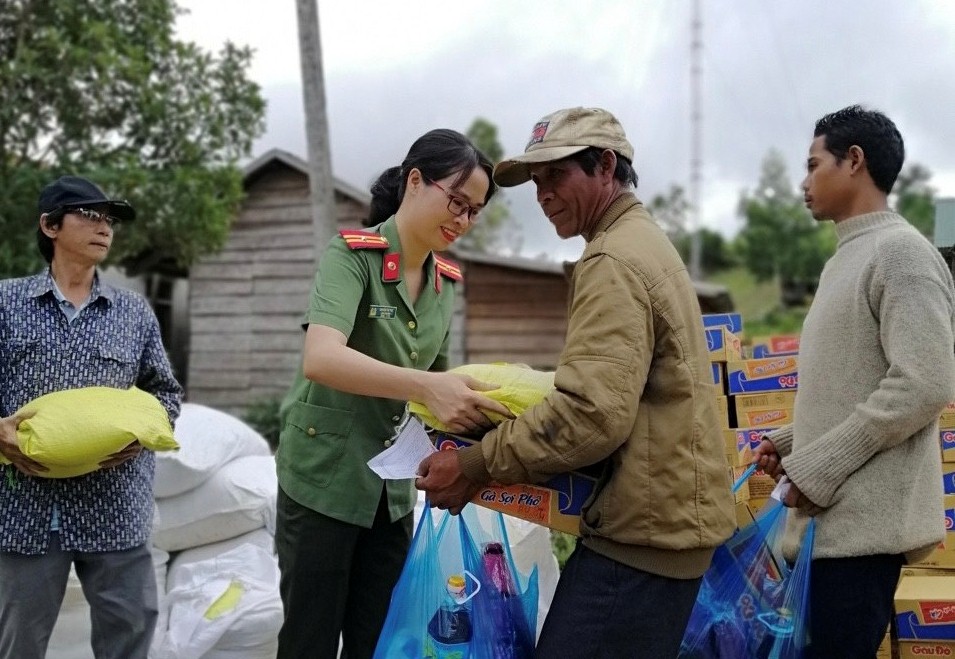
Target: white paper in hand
column 782, row 489
column 409, row 447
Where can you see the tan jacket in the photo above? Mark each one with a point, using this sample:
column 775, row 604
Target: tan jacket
column 633, row 387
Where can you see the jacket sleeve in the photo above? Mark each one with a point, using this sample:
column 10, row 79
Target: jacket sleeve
column 600, row 377
column 915, row 311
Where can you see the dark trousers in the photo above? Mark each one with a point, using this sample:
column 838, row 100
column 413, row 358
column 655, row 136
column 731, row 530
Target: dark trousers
column 120, row 587
column 336, row 579
column 603, row 609
column 850, row 604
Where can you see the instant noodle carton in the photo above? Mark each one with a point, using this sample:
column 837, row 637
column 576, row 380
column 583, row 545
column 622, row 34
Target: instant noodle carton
column 759, row 375
column 723, row 407
column 723, row 345
column 925, row 616
column 946, row 420
column 556, row 504
column 736, row 448
column 771, row 409
column 946, row 439
column 718, row 378
column 944, row 554
column 731, row 321
column 775, row 346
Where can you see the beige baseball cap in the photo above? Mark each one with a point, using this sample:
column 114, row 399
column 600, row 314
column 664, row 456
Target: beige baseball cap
column 562, row 134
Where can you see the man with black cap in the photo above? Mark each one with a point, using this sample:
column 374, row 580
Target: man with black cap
column 65, row 328
column 632, row 390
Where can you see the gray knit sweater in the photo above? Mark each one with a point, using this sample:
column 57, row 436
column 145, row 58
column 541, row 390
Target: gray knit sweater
column 876, row 367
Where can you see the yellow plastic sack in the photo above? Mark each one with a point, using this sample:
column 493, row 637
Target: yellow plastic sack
column 76, row 429
column 520, row 387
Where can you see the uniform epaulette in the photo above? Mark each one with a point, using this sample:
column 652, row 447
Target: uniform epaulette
column 448, row 268
column 363, row 239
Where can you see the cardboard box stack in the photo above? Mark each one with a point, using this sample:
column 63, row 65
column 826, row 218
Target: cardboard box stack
column 925, row 598
column 758, row 390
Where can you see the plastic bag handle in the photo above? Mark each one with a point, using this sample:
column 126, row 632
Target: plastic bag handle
column 477, row 588
column 746, row 474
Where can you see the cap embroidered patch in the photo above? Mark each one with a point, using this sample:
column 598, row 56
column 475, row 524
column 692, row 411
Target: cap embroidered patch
column 537, row 135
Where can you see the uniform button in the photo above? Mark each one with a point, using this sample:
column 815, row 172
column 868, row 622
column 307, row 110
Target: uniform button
column 411, row 324
column 311, row 432
column 396, row 418
column 414, row 355
column 387, row 443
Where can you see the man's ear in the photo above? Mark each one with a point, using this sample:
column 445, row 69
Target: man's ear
column 856, row 157
column 608, row 162
column 48, row 229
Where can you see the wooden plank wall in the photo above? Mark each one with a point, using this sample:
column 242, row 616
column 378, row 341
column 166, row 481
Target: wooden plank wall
column 514, row 315
column 248, row 301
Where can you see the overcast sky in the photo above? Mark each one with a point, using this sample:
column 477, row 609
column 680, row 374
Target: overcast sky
column 770, row 69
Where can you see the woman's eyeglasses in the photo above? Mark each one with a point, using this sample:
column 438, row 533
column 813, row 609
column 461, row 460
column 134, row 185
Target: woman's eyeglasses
column 458, row 206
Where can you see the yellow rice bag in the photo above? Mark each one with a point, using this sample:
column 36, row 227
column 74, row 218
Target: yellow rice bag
column 76, row 429
column 519, row 387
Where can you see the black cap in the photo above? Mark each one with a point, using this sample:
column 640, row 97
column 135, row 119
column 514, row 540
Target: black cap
column 76, row 191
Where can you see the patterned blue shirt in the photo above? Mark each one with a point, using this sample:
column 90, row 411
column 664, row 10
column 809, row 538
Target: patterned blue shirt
column 114, row 341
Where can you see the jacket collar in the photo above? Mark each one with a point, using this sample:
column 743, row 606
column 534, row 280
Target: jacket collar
column 617, row 208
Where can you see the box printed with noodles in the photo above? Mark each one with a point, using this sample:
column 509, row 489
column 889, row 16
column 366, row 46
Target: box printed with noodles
column 556, row 504
column 731, row 321
column 758, row 375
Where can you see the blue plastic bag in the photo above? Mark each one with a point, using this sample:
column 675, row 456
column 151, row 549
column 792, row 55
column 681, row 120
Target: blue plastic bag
column 752, row 604
column 492, row 614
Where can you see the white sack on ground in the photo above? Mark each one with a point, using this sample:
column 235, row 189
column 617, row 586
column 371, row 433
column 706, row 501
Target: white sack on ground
column 208, row 439
column 228, row 605
column 238, row 498
column 260, row 538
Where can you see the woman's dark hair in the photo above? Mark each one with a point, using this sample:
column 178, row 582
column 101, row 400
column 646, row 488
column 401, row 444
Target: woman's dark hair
column 437, row 154
column 589, row 158
column 871, row 131
column 54, row 219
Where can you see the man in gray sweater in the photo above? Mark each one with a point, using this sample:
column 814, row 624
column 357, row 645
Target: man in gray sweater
column 876, row 368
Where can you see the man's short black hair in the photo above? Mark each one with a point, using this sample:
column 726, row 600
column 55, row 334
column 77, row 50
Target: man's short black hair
column 871, row 131
column 589, row 158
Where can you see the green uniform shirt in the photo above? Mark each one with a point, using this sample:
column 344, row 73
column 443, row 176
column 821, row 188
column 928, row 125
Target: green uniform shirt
column 327, row 435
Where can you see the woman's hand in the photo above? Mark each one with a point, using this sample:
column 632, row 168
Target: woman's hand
column 456, row 401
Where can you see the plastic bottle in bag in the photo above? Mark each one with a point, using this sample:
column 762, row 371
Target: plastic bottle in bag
column 450, row 629
column 510, row 642
column 495, row 565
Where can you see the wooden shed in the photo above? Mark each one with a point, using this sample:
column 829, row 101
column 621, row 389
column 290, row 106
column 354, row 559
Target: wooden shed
column 246, row 303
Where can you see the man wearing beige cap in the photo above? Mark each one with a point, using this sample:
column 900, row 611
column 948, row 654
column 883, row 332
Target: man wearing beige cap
column 632, row 391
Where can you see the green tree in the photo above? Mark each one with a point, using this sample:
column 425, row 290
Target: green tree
column 102, row 88
column 495, row 226
column 914, row 198
column 670, row 210
column 715, row 253
column 780, row 240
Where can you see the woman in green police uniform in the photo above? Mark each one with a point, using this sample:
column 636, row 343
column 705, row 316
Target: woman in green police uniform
column 378, row 328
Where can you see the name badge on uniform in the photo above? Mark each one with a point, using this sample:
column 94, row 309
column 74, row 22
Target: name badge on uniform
column 381, row 311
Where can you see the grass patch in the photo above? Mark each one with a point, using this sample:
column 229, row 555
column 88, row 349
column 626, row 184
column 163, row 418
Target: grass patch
column 760, row 304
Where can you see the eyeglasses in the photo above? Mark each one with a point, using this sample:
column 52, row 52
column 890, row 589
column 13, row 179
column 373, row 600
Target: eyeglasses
column 458, row 206
column 92, row 216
